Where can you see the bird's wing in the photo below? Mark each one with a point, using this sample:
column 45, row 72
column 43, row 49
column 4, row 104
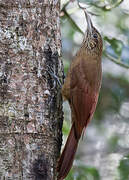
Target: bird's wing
column 83, row 99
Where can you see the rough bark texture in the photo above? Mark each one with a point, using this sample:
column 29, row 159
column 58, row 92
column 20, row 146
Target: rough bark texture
column 30, row 98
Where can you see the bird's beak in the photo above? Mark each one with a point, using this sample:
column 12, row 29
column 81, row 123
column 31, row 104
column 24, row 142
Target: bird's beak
column 89, row 23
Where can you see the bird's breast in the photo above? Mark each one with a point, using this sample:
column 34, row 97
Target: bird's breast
column 91, row 72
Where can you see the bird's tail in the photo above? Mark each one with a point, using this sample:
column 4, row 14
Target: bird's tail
column 66, row 160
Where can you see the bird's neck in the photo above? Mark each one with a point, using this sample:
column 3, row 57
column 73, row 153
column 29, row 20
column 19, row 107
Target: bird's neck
column 85, row 51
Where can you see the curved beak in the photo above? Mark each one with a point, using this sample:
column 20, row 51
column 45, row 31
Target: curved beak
column 89, row 23
column 88, row 19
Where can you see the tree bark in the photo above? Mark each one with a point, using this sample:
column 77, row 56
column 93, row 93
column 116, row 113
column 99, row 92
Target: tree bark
column 31, row 75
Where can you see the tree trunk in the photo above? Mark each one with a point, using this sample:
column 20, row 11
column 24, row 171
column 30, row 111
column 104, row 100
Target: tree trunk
column 30, row 82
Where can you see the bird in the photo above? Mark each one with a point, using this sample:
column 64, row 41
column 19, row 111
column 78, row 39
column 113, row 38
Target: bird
column 81, row 89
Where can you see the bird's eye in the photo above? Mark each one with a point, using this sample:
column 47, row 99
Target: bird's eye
column 95, row 36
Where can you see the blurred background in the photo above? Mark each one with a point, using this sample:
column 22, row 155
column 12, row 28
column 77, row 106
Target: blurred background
column 103, row 152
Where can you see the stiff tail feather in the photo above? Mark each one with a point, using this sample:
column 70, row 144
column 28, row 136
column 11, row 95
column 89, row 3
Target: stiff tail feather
column 67, row 156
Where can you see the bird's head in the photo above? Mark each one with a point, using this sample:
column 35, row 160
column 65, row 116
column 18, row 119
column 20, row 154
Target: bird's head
column 92, row 37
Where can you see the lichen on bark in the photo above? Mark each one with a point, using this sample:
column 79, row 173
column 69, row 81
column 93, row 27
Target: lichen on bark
column 31, row 75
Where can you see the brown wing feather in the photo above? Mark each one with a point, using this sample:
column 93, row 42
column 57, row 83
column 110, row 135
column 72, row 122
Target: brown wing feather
column 83, row 99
